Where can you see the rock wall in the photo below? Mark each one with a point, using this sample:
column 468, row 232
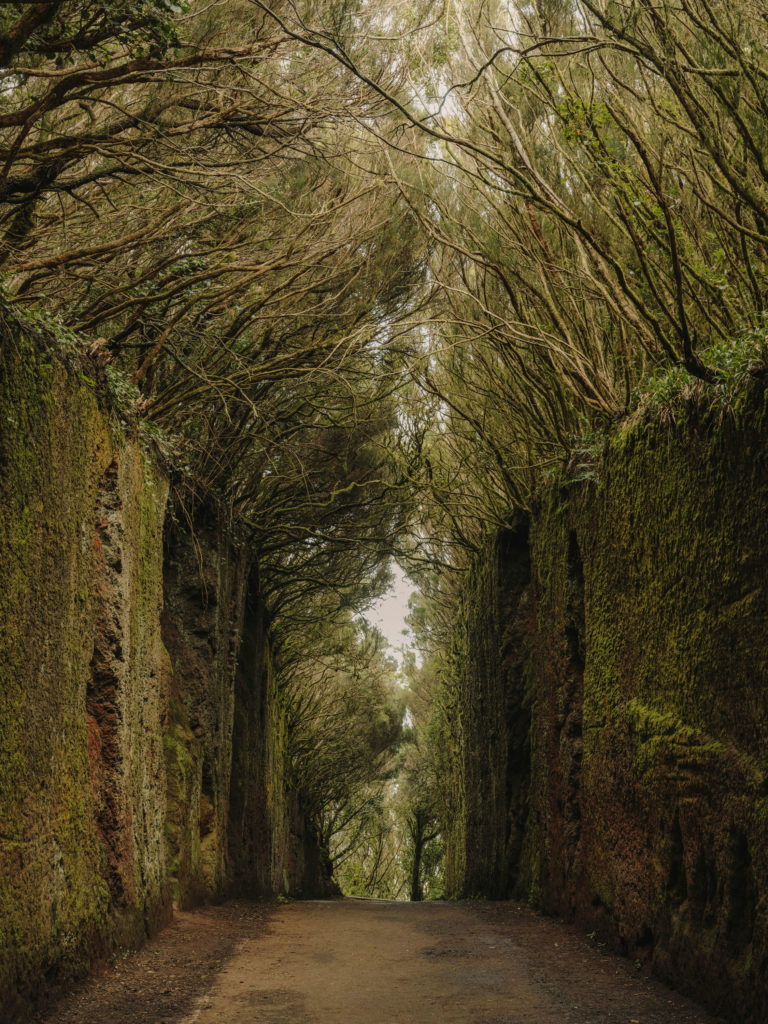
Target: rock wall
column 645, row 666
column 489, row 721
column 235, row 826
column 142, row 737
column 82, row 776
column 271, row 843
column 205, row 580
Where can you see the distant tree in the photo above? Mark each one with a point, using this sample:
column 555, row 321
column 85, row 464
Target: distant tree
column 422, row 798
column 369, row 859
column 345, row 720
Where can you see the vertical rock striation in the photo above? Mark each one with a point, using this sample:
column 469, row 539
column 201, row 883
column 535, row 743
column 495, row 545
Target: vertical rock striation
column 646, row 679
column 143, row 752
column 234, row 824
column 205, row 582
column 489, row 720
column 82, row 776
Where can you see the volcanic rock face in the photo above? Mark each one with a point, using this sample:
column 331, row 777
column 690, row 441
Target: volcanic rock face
column 202, row 630
column 129, row 774
column 82, row 777
column 489, row 731
column 233, row 825
column 645, row 670
column 125, row 701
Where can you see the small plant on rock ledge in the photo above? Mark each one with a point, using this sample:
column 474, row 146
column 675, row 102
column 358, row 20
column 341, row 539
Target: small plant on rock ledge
column 739, row 362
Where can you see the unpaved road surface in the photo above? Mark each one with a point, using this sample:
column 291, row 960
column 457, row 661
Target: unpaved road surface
column 372, row 962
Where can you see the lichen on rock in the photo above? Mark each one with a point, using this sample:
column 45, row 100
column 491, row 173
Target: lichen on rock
column 646, row 668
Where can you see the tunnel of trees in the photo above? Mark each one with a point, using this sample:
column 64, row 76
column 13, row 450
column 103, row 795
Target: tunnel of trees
column 366, row 277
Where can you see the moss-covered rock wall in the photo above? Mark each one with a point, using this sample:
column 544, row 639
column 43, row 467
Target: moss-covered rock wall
column 205, row 579
column 234, row 823
column 82, row 776
column 272, row 846
column 646, row 673
column 143, row 748
column 488, row 722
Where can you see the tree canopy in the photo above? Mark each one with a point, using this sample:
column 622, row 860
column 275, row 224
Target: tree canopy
column 366, row 273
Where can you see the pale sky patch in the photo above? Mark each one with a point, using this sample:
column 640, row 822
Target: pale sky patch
column 389, row 612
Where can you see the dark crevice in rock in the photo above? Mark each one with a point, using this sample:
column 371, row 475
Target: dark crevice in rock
column 103, row 691
column 741, row 892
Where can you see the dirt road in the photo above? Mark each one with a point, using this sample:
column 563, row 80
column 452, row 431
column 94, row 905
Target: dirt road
column 360, row 962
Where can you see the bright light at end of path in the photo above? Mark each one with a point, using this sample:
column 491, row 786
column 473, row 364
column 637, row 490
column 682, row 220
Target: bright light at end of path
column 389, row 612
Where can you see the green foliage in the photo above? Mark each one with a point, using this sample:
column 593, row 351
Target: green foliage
column 364, row 321
column 345, row 723
column 148, row 27
column 123, row 390
column 42, row 324
column 736, row 362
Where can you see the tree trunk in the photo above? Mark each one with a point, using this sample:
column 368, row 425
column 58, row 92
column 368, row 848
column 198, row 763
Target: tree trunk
column 416, row 869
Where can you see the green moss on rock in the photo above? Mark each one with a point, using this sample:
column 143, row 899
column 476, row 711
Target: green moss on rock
column 57, row 442
column 647, row 670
